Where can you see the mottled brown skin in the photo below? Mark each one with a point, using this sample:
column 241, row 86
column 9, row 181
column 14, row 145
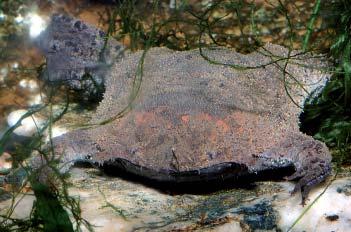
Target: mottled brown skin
column 194, row 121
column 73, row 49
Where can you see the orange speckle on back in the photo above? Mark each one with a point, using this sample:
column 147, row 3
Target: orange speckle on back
column 185, row 118
column 222, row 125
column 204, row 117
column 143, row 118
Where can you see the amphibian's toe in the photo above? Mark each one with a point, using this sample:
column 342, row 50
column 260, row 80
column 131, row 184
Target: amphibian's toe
column 313, row 165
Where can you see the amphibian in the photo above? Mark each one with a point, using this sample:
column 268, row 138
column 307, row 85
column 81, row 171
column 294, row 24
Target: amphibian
column 191, row 120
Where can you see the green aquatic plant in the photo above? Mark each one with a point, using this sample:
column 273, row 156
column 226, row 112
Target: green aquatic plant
column 53, row 208
column 327, row 116
column 11, row 31
column 184, row 28
column 131, row 26
column 310, row 25
column 120, row 212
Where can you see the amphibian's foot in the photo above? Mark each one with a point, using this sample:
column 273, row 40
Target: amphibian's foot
column 312, row 163
column 310, row 157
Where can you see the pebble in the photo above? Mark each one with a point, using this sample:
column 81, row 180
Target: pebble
column 36, row 24
column 29, row 125
column 2, row 16
column 3, row 74
column 19, row 19
column 57, row 131
column 32, row 85
column 4, row 161
column 36, row 99
column 15, row 65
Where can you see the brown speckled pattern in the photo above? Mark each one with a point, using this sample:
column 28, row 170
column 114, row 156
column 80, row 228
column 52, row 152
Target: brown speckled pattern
column 73, row 48
column 191, row 115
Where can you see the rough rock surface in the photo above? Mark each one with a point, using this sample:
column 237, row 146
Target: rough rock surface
column 77, row 55
column 114, row 204
column 193, row 121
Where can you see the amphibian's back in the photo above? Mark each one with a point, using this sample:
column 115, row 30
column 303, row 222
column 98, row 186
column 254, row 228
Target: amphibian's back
column 190, row 114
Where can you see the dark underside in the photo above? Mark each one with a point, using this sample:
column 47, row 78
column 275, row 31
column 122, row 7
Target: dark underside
column 205, row 180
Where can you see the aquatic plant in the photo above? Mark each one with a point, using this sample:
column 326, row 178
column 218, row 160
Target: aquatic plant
column 327, row 116
column 183, row 28
column 52, row 202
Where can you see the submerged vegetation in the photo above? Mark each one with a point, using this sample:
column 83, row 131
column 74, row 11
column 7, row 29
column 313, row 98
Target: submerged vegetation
column 328, row 115
column 243, row 25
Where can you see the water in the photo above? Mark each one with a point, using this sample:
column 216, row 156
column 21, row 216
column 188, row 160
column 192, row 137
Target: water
column 134, row 206
column 21, row 22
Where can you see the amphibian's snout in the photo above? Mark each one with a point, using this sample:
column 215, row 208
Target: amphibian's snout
column 72, row 147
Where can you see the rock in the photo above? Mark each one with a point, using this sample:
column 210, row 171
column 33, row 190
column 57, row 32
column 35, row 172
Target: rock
column 191, row 121
column 28, row 126
column 332, row 217
column 77, row 55
column 5, row 163
column 31, row 85
column 114, row 204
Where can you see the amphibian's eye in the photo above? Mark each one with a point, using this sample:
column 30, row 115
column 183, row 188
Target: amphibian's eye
column 88, row 157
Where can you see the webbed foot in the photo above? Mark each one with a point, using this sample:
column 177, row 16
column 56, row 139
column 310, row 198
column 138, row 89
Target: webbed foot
column 311, row 159
column 312, row 162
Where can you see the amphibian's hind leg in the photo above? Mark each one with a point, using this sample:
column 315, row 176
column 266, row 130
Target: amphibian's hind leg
column 311, row 159
column 312, row 162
